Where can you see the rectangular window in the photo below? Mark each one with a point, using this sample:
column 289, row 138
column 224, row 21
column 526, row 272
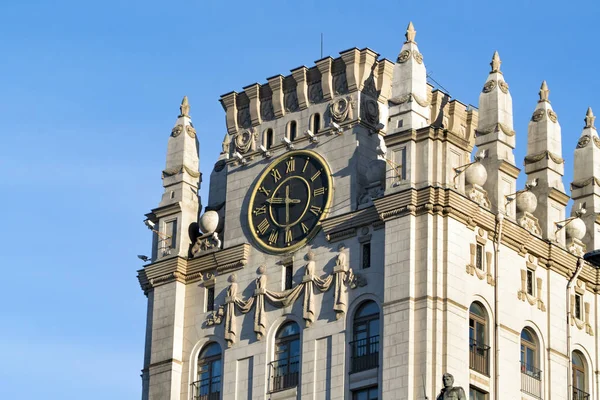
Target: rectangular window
column 171, row 232
column 366, row 255
column 365, row 394
column 289, row 275
column 476, row 394
column 578, row 306
column 479, row 257
column 530, row 282
column 210, row 298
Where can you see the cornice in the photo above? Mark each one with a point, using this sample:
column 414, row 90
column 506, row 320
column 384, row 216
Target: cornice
column 427, row 133
column 509, row 169
column 561, row 197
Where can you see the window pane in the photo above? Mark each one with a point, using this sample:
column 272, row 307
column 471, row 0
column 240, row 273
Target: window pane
column 367, row 308
column 289, row 329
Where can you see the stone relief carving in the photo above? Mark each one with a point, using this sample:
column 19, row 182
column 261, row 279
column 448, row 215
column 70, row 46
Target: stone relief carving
column 371, row 109
column 584, row 182
column 496, row 128
column 410, row 97
column 191, row 131
column 489, row 86
column 176, row 131
column 245, row 141
column 266, row 109
column 583, row 141
column 315, row 92
column 451, row 392
column 244, row 119
column 226, row 144
column 340, row 85
column 530, row 223
column 552, row 115
column 503, row 86
column 290, row 99
column 205, row 243
column 538, row 115
column 418, row 57
column 543, row 155
column 478, row 195
column 404, row 56
column 341, row 108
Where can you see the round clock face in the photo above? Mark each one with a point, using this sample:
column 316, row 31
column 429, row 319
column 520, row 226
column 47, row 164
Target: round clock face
column 290, row 198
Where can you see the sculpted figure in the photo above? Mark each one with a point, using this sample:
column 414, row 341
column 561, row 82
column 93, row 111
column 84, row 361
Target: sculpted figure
column 310, row 266
column 233, row 286
column 261, row 280
column 225, row 144
column 341, row 257
column 451, row 392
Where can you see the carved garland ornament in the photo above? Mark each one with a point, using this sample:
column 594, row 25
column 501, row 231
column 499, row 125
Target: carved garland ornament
column 244, row 141
column 584, row 182
column 177, row 170
column 411, row 96
column 543, row 155
column 494, row 128
column 503, row 86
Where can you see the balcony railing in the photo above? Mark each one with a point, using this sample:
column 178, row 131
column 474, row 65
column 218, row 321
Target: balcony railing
column 531, row 380
column 580, row 394
column 364, row 354
column 207, row 389
column 285, row 373
column 479, row 357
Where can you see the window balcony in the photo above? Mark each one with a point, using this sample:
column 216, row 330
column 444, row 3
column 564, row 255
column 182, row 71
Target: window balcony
column 207, row 389
column 285, row 373
column 580, row 394
column 479, row 357
column 531, row 380
column 364, row 354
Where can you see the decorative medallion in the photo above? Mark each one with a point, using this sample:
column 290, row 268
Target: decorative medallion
column 538, row 115
column 596, row 141
column 503, row 86
column 290, row 99
column 290, row 199
column 339, row 109
column 371, row 111
column 489, row 86
column 315, row 92
column 244, row 141
column 176, row 131
column 244, row 120
column 552, row 115
column 190, row 131
column 340, row 84
column 404, row 56
column 418, row 57
column 266, row 110
column 583, row 141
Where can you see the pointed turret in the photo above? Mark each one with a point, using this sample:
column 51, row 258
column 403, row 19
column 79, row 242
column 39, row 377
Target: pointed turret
column 544, row 163
column 409, row 85
column 586, row 180
column 495, row 134
column 178, row 208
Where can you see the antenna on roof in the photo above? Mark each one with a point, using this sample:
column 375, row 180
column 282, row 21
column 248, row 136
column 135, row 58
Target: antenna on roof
column 436, row 82
column 321, row 44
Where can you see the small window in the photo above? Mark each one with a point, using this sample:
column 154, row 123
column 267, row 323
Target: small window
column 479, row 257
column 578, row 306
column 366, row 255
column 210, row 298
column 268, row 139
column 316, row 125
column 477, row 394
column 292, row 131
column 579, row 377
column 289, row 276
column 365, row 394
column 400, row 123
column 399, row 165
column 530, row 278
column 171, row 235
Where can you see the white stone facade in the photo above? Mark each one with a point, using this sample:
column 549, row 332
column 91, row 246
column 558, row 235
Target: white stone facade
column 420, row 241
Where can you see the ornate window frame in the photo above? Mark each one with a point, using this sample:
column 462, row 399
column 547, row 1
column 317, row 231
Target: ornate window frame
column 535, row 297
column 485, row 272
column 579, row 290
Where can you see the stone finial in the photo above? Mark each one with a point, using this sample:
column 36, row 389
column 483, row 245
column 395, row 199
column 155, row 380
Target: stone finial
column 410, row 33
column 496, row 62
column 184, row 108
column 544, row 92
column 589, row 118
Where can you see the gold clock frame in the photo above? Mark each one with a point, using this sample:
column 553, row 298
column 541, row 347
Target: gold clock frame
column 317, row 227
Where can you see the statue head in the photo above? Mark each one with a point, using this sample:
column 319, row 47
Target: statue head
column 310, row 256
column 341, row 247
column 448, row 380
column 232, row 278
column 261, row 269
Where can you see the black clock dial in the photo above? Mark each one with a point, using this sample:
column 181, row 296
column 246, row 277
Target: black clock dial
column 289, row 200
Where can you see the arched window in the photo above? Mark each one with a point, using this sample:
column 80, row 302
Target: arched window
column 478, row 342
column 531, row 375
column 365, row 343
column 579, row 377
column 292, row 131
column 268, row 138
column 208, row 385
column 316, row 123
column 286, row 366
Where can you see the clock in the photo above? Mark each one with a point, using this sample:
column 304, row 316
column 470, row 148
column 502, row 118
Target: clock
column 291, row 197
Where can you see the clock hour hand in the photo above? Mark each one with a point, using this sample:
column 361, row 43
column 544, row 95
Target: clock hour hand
column 276, row 200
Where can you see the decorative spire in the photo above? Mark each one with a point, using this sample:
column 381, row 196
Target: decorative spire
column 496, row 62
column 589, row 119
column 544, row 92
column 184, row 108
column 410, row 33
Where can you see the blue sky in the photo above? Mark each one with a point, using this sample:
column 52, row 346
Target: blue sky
column 89, row 92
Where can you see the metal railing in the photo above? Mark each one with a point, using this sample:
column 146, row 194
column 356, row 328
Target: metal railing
column 364, row 354
column 579, row 394
column 207, row 389
column 285, row 373
column 531, row 380
column 479, row 357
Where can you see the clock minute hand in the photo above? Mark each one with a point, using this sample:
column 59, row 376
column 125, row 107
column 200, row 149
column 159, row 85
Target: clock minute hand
column 276, row 200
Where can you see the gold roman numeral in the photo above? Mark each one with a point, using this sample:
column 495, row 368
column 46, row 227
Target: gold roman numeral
column 276, row 175
column 304, row 228
column 266, row 192
column 273, row 236
column 260, row 210
column 305, row 165
column 315, row 210
column 290, row 166
column 288, row 236
column 263, row 226
column 315, row 176
column 319, row 192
